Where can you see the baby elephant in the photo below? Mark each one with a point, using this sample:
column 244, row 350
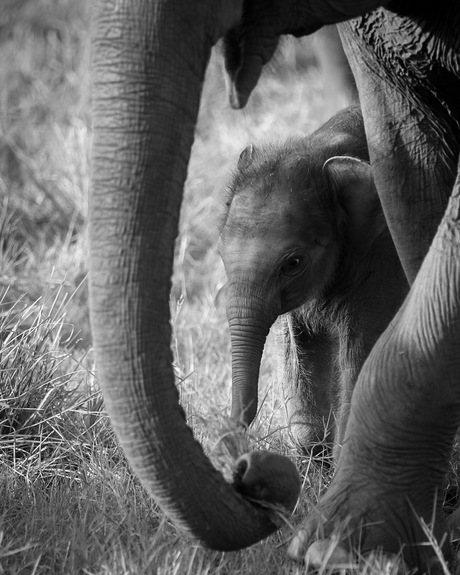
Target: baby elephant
column 304, row 237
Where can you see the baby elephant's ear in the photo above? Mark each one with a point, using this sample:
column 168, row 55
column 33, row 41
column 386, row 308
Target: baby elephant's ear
column 246, row 158
column 353, row 182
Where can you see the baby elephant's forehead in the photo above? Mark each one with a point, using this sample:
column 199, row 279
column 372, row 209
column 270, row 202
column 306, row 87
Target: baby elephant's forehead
column 267, row 195
column 279, row 189
column 265, row 212
column 283, row 188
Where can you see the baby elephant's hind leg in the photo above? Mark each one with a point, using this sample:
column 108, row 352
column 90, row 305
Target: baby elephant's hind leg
column 308, row 373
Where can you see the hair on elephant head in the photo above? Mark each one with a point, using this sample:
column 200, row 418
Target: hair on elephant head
column 304, row 238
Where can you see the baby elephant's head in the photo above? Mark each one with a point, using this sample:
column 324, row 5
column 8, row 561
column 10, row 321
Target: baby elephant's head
column 294, row 214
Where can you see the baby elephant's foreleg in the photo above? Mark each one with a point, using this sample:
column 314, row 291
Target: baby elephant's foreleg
column 308, row 373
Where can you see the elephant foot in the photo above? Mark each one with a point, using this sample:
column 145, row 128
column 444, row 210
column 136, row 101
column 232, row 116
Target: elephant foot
column 357, row 517
column 315, row 441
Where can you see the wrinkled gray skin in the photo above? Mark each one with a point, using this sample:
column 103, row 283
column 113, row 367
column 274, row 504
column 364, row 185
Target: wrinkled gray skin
column 304, row 230
column 149, row 61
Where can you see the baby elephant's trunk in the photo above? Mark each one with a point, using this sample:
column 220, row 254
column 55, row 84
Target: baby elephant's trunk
column 249, row 323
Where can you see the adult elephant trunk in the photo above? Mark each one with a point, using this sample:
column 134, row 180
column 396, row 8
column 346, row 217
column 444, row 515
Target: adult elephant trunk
column 149, row 60
column 250, row 318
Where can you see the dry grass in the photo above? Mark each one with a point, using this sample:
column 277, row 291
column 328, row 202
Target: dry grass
column 69, row 503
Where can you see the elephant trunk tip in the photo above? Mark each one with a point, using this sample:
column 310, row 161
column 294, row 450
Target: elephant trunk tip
column 244, row 415
column 268, row 478
column 236, row 101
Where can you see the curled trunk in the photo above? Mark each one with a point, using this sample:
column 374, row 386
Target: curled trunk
column 148, row 69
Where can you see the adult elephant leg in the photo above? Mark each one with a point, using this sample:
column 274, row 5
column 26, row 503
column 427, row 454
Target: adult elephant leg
column 412, row 128
column 149, row 60
column 404, row 417
column 405, row 406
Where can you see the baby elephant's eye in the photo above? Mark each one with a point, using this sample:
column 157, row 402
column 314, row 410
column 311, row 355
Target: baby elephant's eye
column 291, row 266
